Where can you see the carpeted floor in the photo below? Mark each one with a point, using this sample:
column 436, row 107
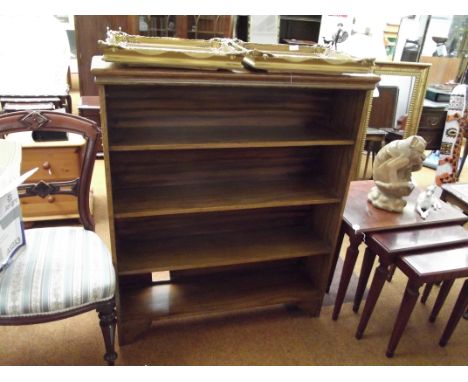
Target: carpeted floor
column 266, row 337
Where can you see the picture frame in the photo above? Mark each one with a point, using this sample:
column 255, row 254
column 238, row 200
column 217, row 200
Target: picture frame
column 419, row 73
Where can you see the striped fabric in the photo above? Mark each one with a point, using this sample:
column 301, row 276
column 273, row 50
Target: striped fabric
column 60, row 269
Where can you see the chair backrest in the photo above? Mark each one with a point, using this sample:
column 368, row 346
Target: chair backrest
column 59, row 122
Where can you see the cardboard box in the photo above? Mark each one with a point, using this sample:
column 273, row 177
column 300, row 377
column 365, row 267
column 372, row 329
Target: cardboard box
column 12, row 237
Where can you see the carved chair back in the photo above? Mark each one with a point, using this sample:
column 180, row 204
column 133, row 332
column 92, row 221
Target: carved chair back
column 59, row 122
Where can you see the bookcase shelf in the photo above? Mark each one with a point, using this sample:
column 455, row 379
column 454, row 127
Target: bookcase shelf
column 223, row 291
column 233, row 182
column 201, row 251
column 222, row 137
column 196, row 198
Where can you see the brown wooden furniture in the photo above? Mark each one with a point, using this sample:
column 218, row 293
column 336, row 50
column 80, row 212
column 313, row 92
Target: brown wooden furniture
column 88, row 30
column 360, row 219
column 375, row 140
column 383, row 112
column 58, row 162
column 191, row 26
column 54, row 188
column 461, row 305
column 382, row 116
column 10, row 103
column 299, row 27
column 456, row 194
column 389, row 246
column 89, row 108
column 45, row 256
column 431, row 126
column 213, row 177
column 427, row 267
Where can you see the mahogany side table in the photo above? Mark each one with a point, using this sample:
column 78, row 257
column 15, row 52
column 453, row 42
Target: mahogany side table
column 360, row 218
column 446, row 266
column 390, row 246
column 457, row 194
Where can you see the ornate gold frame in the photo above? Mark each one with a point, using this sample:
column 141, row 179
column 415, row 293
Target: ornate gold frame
column 229, row 54
column 420, row 72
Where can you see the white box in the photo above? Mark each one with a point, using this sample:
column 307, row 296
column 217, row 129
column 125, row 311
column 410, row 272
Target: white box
column 12, row 237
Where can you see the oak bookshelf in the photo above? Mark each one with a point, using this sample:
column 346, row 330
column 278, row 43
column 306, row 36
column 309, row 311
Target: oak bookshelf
column 233, row 182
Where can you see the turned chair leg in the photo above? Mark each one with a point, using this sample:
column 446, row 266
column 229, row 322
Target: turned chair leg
column 460, row 306
column 441, row 297
column 406, row 308
column 108, row 321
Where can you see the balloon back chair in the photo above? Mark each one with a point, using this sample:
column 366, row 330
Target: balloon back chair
column 62, row 271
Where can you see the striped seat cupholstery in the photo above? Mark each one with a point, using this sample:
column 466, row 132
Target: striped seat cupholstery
column 59, row 269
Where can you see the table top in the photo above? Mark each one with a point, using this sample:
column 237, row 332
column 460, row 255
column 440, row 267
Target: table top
column 363, row 217
column 454, row 261
column 427, row 238
column 459, row 190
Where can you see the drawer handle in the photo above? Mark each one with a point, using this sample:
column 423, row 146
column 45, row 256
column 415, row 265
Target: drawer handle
column 46, row 166
column 51, row 199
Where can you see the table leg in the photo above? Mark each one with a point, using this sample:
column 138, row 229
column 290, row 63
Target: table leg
column 427, row 292
column 460, row 305
column 348, row 267
column 391, row 272
column 441, row 297
column 367, row 264
column 406, row 308
column 378, row 282
column 336, row 255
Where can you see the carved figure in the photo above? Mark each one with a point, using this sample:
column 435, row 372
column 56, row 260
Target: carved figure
column 393, row 166
column 427, row 201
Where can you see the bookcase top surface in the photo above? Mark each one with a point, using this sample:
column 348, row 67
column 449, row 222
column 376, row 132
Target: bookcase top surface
column 107, row 73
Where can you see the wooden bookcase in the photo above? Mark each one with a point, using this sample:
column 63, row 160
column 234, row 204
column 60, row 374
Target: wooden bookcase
column 235, row 183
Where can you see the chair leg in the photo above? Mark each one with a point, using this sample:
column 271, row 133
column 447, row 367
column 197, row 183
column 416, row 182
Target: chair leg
column 460, row 306
column 367, row 264
column 441, row 297
column 366, row 164
column 378, row 282
column 406, row 308
column 108, row 321
column 335, row 256
column 426, row 292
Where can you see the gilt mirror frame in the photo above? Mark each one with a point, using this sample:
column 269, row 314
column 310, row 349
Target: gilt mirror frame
column 420, row 72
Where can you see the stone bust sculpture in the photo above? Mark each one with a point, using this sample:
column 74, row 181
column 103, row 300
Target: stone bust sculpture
column 392, row 172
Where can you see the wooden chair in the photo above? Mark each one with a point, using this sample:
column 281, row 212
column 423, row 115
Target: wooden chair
column 438, row 266
column 375, row 140
column 62, row 271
